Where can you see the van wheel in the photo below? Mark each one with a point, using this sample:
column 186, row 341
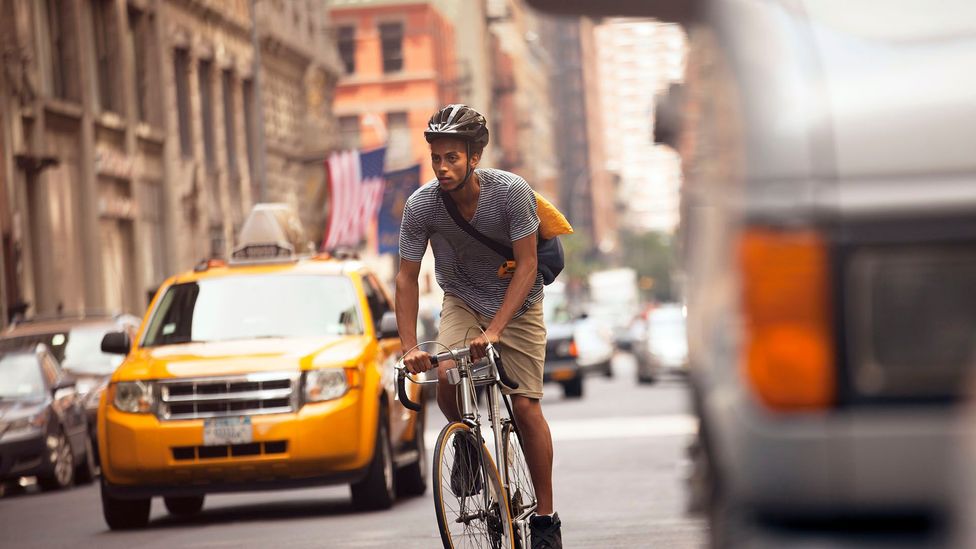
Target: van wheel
column 125, row 514
column 411, row 480
column 184, row 506
column 376, row 490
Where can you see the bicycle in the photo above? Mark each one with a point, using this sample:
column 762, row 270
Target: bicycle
column 492, row 508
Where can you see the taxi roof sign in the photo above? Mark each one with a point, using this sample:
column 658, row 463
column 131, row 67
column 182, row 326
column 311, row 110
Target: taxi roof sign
column 272, row 230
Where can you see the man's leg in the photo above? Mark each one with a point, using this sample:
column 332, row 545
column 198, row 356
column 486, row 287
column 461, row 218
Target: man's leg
column 537, row 443
column 447, row 393
column 458, row 322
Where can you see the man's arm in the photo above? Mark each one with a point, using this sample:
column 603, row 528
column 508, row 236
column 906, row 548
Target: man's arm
column 407, row 304
column 526, row 270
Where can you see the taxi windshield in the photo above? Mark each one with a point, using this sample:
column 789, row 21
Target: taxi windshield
column 255, row 306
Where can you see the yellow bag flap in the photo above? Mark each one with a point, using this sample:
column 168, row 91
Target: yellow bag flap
column 552, row 222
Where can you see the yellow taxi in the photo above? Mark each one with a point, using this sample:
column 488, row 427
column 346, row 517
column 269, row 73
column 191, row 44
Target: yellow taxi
column 271, row 370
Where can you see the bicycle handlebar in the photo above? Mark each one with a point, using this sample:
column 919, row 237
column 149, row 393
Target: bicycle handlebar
column 402, row 391
column 466, row 353
column 454, row 354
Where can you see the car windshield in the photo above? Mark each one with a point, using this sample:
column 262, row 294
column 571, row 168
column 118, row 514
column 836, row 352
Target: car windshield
column 255, row 306
column 20, row 377
column 83, row 352
column 78, row 349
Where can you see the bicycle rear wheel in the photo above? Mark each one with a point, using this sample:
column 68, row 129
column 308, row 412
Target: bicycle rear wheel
column 472, row 511
column 521, row 492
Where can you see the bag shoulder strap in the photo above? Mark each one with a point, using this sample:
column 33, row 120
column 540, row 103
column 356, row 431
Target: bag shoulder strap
column 452, row 209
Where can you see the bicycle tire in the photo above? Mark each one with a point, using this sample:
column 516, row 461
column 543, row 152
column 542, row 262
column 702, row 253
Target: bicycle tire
column 522, row 500
column 480, row 520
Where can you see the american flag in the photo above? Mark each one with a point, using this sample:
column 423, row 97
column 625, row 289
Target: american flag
column 356, row 192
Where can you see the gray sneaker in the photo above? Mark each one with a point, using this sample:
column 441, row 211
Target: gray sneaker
column 546, row 532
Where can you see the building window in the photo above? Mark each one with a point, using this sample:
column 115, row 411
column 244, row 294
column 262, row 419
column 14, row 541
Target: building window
column 230, row 125
column 204, row 81
column 181, row 73
column 105, row 32
column 142, row 34
column 347, row 47
column 62, row 50
column 349, row 131
column 398, row 152
column 391, row 36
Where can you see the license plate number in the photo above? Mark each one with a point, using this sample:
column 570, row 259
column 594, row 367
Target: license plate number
column 227, row 430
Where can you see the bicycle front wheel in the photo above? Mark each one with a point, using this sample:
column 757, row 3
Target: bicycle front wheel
column 469, row 499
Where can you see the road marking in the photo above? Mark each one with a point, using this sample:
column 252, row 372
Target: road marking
column 612, row 427
column 623, row 427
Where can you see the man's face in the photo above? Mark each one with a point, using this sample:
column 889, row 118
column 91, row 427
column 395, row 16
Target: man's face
column 449, row 160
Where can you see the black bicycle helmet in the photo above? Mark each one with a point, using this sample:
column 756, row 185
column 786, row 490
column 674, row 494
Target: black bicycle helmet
column 458, row 121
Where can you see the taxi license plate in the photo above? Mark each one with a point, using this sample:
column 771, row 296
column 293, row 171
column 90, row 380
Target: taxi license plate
column 227, row 430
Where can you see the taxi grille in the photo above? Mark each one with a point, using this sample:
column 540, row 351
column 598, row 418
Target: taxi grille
column 251, row 394
column 192, row 453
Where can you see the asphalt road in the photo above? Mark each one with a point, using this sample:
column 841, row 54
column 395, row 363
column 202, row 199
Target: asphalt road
column 618, row 470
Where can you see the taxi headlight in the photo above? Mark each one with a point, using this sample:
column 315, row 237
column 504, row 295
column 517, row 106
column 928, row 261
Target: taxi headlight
column 325, row 384
column 135, row 397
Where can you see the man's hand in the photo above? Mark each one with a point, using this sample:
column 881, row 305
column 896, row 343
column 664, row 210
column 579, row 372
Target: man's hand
column 479, row 347
column 417, row 361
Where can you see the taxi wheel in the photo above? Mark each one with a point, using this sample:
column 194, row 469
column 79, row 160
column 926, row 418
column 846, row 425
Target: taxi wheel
column 412, row 479
column 184, row 506
column 376, row 490
column 125, row 514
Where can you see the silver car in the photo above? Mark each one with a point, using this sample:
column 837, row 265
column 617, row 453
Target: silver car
column 829, row 247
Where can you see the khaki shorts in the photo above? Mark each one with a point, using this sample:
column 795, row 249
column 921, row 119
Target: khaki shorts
column 522, row 344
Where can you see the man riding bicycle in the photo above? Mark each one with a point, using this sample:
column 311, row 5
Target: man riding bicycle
column 494, row 306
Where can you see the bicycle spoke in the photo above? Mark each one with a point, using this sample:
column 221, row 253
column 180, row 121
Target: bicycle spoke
column 472, row 519
column 522, row 500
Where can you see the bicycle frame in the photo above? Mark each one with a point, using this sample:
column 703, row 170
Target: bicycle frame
column 467, row 377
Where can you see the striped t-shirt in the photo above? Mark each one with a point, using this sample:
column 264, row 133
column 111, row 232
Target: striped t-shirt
column 465, row 267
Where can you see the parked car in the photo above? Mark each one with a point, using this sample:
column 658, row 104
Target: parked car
column 664, row 346
column 562, row 359
column 272, row 370
column 562, row 351
column 75, row 341
column 43, row 427
column 595, row 346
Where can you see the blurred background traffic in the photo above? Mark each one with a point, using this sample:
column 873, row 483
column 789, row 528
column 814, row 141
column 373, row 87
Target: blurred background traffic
column 766, row 328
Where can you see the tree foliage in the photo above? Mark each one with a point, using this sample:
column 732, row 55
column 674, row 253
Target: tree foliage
column 651, row 254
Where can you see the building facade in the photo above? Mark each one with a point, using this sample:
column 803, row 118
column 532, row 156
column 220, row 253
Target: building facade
column 524, row 116
column 399, row 67
column 128, row 139
column 585, row 188
column 636, row 60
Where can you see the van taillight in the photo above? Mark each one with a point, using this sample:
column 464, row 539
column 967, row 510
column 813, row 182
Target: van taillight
column 788, row 355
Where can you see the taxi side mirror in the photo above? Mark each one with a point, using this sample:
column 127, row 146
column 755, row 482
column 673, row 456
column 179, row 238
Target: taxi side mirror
column 116, row 343
column 388, row 326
